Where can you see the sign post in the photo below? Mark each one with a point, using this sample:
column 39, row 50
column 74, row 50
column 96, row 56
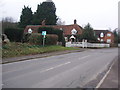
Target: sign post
column 44, row 34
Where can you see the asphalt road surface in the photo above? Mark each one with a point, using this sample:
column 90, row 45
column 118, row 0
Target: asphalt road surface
column 71, row 70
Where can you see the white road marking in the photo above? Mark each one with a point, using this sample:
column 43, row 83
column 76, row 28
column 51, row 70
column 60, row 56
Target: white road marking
column 102, row 80
column 55, row 67
column 49, row 68
column 62, row 64
column 40, row 71
column 44, row 70
column 83, row 57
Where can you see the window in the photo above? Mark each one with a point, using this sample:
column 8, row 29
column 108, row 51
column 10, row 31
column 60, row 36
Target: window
column 98, row 38
column 30, row 30
column 108, row 40
column 61, row 29
column 66, row 39
column 73, row 32
column 101, row 40
column 108, row 34
column 102, row 34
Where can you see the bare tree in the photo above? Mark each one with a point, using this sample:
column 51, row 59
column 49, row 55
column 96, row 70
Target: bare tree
column 8, row 22
column 60, row 22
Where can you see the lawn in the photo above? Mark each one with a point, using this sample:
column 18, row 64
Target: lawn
column 19, row 49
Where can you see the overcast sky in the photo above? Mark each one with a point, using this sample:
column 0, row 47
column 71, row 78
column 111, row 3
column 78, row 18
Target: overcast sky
column 101, row 14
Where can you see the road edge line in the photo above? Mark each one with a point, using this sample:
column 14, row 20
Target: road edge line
column 102, row 80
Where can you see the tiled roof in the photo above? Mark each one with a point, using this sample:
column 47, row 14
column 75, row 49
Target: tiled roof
column 98, row 32
column 66, row 28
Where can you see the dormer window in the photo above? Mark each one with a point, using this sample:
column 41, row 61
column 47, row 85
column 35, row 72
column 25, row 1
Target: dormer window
column 30, row 30
column 102, row 34
column 74, row 32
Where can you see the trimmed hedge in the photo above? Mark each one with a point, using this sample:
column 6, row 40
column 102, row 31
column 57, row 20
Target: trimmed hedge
column 51, row 30
column 37, row 39
column 14, row 34
column 51, row 39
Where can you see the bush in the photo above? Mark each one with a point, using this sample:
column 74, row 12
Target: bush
column 37, row 39
column 63, row 42
column 51, row 39
column 14, row 34
column 26, row 37
column 51, row 30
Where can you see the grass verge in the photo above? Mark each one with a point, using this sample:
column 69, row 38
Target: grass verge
column 19, row 49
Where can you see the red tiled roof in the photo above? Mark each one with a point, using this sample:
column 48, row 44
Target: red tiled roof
column 66, row 28
column 98, row 32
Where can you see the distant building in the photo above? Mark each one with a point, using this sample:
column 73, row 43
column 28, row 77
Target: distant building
column 68, row 30
column 104, row 36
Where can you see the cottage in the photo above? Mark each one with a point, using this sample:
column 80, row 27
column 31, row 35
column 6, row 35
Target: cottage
column 68, row 30
column 105, row 36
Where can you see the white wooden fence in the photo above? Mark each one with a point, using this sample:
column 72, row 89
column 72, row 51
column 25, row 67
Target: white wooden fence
column 85, row 45
column 119, row 45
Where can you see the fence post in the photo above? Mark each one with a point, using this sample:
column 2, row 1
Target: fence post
column 83, row 43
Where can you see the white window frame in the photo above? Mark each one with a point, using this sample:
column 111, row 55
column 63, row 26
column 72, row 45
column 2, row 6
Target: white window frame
column 101, row 34
column 108, row 40
column 98, row 39
column 30, row 30
column 101, row 40
column 74, row 32
column 109, row 34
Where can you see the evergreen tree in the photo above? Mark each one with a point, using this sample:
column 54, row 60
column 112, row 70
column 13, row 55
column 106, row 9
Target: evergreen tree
column 45, row 11
column 26, row 17
column 115, row 36
column 89, row 34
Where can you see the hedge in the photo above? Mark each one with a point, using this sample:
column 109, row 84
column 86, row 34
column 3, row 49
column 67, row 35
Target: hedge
column 51, row 30
column 14, row 34
column 37, row 39
column 51, row 39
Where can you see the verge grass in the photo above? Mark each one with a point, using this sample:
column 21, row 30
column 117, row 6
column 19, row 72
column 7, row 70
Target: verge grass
column 20, row 49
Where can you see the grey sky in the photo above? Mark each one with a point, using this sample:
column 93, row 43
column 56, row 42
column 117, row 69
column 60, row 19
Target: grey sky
column 101, row 14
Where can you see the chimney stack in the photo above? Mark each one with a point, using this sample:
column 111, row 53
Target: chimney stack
column 75, row 21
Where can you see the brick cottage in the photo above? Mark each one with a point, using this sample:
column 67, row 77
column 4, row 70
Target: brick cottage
column 70, row 31
column 104, row 36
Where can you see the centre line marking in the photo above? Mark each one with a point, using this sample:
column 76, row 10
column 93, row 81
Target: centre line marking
column 84, row 57
column 55, row 67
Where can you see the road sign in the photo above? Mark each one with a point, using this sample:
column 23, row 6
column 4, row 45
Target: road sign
column 44, row 33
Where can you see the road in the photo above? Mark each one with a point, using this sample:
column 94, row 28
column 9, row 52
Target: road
column 71, row 70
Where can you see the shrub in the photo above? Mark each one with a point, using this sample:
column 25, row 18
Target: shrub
column 26, row 37
column 51, row 39
column 14, row 34
column 63, row 42
column 37, row 39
